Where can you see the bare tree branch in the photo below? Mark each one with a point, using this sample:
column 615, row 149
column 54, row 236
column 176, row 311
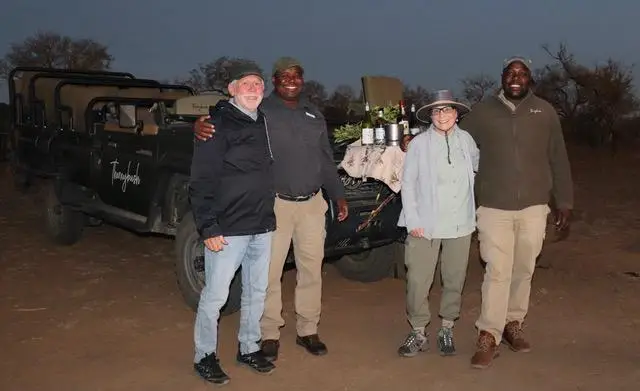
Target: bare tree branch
column 50, row 49
column 476, row 88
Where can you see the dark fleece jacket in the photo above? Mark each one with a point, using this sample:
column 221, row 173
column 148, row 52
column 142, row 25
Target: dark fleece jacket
column 523, row 159
column 231, row 188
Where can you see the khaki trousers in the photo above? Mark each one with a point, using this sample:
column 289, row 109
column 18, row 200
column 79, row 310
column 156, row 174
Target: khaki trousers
column 510, row 242
column 421, row 259
column 304, row 223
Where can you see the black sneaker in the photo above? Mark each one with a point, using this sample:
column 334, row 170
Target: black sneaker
column 209, row 369
column 256, row 361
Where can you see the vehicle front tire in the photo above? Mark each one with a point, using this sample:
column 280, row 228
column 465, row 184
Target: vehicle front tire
column 64, row 225
column 189, row 268
column 371, row 265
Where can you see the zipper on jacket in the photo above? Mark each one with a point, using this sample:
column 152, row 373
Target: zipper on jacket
column 517, row 155
column 266, row 130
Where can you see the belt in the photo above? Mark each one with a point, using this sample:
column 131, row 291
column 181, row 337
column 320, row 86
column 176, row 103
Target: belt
column 301, row 198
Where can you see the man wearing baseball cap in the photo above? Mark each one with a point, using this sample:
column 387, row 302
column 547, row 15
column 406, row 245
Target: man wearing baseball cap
column 523, row 160
column 232, row 196
column 303, row 165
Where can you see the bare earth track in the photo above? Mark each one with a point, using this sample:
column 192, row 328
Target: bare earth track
column 106, row 314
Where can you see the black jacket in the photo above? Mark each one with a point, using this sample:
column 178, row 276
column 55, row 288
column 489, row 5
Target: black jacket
column 303, row 156
column 231, row 188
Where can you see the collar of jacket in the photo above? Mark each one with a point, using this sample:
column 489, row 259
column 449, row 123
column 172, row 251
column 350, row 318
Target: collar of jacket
column 454, row 129
column 303, row 103
column 503, row 99
column 226, row 105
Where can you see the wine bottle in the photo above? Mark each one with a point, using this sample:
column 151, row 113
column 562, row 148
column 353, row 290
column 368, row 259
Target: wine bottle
column 379, row 132
column 414, row 127
column 403, row 121
column 367, row 127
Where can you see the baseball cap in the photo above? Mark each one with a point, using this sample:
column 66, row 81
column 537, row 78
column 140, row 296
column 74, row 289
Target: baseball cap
column 240, row 70
column 284, row 63
column 523, row 60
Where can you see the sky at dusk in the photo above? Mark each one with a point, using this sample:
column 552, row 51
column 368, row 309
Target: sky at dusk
column 428, row 43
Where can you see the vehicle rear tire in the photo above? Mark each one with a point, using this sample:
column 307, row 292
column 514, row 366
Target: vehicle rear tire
column 189, row 268
column 371, row 265
column 64, row 225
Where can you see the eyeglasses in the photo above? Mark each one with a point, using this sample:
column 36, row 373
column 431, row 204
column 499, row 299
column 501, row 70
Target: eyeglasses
column 443, row 110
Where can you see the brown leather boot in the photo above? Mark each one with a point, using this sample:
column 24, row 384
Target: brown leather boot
column 486, row 351
column 512, row 336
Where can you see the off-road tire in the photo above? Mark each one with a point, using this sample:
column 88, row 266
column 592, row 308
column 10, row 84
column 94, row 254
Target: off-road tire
column 63, row 224
column 371, row 265
column 189, row 251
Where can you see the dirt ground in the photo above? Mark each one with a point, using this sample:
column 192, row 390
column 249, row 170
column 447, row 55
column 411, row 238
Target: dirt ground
column 106, row 314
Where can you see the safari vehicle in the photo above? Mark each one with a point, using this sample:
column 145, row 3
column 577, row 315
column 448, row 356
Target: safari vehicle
column 35, row 113
column 119, row 151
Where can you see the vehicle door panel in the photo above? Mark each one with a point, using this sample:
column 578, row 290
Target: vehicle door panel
column 127, row 174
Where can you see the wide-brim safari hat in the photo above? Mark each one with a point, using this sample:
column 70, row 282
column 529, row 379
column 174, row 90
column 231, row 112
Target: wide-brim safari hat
column 441, row 98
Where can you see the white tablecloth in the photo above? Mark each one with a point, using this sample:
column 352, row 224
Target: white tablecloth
column 383, row 163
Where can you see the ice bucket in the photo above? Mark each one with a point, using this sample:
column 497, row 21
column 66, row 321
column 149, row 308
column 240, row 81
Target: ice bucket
column 392, row 134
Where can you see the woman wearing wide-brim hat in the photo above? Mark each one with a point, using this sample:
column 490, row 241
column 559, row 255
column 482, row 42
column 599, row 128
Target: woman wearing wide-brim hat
column 438, row 210
column 442, row 98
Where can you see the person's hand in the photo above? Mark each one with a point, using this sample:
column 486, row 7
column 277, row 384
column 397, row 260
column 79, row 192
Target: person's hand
column 203, row 130
column 343, row 209
column 216, row 243
column 417, row 233
column 404, row 144
column 563, row 216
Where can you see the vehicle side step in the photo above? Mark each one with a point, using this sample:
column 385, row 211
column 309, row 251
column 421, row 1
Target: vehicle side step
column 112, row 210
column 117, row 216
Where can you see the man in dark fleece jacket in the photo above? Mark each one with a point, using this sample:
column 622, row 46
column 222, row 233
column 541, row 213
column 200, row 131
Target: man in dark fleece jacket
column 232, row 197
column 523, row 161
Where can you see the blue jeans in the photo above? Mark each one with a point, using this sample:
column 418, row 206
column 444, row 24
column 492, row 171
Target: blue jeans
column 252, row 252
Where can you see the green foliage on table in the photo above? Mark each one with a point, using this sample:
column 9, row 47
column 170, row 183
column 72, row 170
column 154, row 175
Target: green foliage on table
column 347, row 133
column 389, row 113
column 352, row 131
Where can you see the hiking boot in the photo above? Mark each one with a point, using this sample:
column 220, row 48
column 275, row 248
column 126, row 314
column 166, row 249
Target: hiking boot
column 209, row 369
column 415, row 342
column 312, row 344
column 513, row 337
column 256, row 361
column 270, row 349
column 486, row 351
column 445, row 342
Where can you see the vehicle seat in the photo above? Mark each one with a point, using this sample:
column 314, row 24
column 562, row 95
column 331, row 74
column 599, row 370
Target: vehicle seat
column 382, row 90
column 149, row 127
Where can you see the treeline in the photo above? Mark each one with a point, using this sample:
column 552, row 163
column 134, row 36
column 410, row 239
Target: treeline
column 597, row 103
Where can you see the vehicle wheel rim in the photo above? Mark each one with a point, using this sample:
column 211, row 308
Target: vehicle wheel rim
column 195, row 268
column 361, row 257
column 54, row 212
